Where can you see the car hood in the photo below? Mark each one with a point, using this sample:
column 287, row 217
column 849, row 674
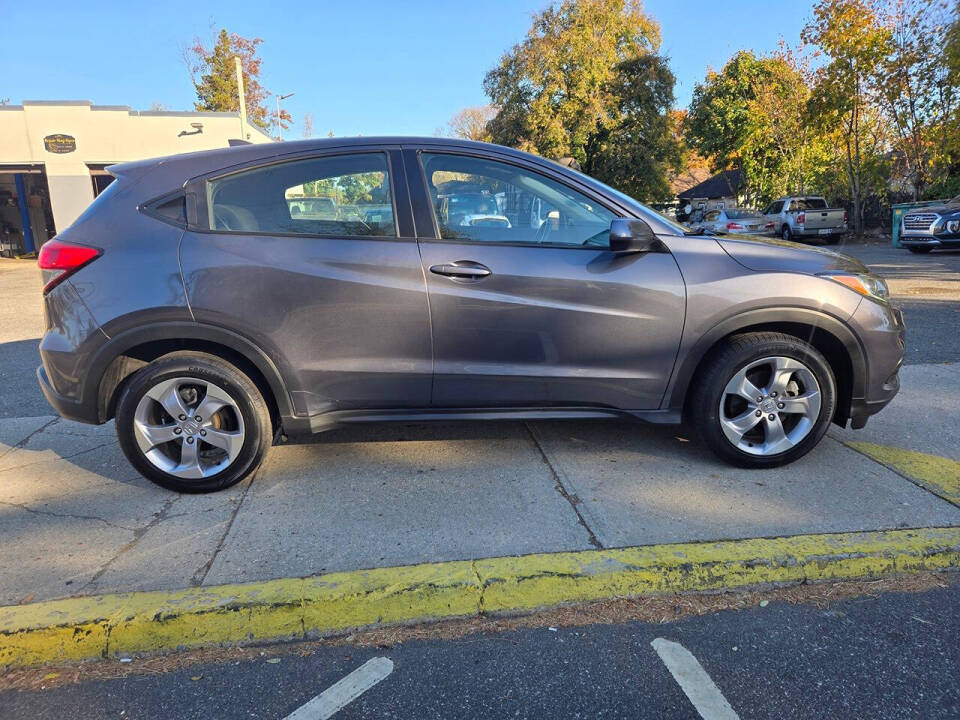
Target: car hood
column 775, row 255
column 939, row 209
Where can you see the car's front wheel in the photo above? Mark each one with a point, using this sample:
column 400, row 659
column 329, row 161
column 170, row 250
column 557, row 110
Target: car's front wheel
column 764, row 399
column 193, row 423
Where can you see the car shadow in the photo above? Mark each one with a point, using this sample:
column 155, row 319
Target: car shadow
column 20, row 394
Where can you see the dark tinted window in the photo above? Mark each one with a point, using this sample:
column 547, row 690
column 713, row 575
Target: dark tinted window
column 489, row 201
column 811, row 203
column 332, row 196
column 775, row 208
column 173, row 210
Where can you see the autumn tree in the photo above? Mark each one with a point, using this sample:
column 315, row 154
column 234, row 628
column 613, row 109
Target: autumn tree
column 750, row 116
column 471, row 123
column 586, row 83
column 213, row 73
column 949, row 185
column 851, row 38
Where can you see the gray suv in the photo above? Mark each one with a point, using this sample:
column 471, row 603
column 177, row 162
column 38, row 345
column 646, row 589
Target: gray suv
column 191, row 304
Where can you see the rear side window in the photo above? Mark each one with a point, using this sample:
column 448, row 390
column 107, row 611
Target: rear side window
column 332, row 196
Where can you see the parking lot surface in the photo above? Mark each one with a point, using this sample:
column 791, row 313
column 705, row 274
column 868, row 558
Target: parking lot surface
column 75, row 519
column 891, row 656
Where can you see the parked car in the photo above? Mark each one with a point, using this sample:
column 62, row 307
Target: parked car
column 733, row 220
column 186, row 304
column 806, row 216
column 931, row 228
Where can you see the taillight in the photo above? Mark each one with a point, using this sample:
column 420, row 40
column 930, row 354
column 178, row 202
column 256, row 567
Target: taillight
column 844, row 217
column 59, row 260
column 802, row 218
column 734, row 226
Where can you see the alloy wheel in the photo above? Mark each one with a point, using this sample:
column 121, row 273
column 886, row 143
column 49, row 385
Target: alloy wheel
column 189, row 428
column 770, row 405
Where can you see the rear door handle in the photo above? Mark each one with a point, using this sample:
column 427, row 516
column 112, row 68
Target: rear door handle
column 462, row 270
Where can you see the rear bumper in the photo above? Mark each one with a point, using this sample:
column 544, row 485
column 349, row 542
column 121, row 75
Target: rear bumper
column 66, row 407
column 816, row 232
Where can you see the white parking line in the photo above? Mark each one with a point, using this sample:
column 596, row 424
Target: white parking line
column 694, row 681
column 342, row 693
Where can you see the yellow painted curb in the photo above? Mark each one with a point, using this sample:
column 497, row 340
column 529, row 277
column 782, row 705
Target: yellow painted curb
column 939, row 475
column 299, row 608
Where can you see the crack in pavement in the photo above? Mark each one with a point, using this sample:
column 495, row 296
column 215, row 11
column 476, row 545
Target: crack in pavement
column 138, row 533
column 28, row 438
column 201, row 574
column 574, row 500
column 35, row 511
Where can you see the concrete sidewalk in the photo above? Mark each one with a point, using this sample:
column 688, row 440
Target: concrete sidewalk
column 75, row 519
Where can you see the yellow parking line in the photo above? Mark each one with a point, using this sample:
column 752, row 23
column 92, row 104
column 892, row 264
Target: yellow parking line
column 336, row 603
column 939, row 475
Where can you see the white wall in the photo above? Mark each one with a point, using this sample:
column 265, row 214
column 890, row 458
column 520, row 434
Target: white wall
column 104, row 134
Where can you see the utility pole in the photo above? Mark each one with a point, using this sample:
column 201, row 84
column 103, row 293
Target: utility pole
column 279, row 126
column 243, row 98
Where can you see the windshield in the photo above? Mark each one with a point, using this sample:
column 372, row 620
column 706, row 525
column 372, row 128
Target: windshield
column 738, row 214
column 954, row 201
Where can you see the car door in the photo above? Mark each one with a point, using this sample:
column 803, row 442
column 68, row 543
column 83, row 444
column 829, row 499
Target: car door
column 529, row 307
column 311, row 260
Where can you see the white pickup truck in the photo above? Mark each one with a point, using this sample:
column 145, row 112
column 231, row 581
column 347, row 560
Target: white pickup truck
column 805, row 216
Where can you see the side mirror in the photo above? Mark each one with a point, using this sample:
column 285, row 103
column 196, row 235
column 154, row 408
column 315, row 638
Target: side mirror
column 629, row 235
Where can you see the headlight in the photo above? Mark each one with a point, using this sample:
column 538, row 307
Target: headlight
column 953, row 226
column 868, row 285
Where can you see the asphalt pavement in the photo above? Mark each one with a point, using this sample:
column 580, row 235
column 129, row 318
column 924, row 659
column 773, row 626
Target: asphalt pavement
column 895, row 655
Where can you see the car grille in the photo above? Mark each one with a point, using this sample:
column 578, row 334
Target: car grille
column 919, row 221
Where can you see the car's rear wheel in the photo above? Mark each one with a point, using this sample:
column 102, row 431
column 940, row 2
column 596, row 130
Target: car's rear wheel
column 919, row 250
column 764, row 399
column 193, row 423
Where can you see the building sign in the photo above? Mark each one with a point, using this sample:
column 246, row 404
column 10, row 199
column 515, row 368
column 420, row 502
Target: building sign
column 60, row 143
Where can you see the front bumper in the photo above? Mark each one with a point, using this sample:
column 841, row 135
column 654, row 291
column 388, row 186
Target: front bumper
column 930, row 241
column 882, row 331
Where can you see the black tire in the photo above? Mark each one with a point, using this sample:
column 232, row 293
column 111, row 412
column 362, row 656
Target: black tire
column 728, row 359
column 249, row 401
column 786, row 234
column 919, row 250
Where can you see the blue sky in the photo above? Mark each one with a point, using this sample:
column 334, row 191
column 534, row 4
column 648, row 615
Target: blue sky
column 365, row 67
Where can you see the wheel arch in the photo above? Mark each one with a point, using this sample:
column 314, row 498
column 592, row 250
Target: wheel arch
column 838, row 344
column 127, row 352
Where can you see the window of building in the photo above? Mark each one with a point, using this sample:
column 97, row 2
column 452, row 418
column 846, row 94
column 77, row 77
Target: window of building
column 488, row 201
column 334, row 196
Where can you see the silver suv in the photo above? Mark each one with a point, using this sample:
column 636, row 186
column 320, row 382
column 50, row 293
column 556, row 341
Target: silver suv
column 194, row 306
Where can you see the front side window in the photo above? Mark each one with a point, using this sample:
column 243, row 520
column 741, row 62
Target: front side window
column 484, row 200
column 331, row 196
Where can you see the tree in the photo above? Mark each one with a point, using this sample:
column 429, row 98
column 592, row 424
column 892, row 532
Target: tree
column 949, row 184
column 471, row 123
column 586, row 83
column 848, row 33
column 916, row 89
column 750, row 116
column 214, row 78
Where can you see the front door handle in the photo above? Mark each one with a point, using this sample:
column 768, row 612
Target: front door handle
column 462, row 270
